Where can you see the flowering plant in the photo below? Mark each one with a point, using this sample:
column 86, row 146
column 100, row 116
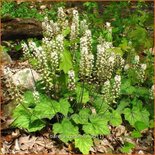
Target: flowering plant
column 80, row 88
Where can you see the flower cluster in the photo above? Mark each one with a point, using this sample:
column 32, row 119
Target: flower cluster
column 109, row 31
column 74, row 29
column 83, row 26
column 87, row 58
column 111, row 91
column 139, row 68
column 106, row 91
column 60, row 43
column 119, row 62
column 36, row 96
column 43, row 67
column 116, row 87
column 26, row 51
column 142, row 72
column 54, row 59
column 71, row 80
column 104, row 63
column 62, row 21
column 75, row 25
column 126, row 67
column 50, row 28
column 13, row 91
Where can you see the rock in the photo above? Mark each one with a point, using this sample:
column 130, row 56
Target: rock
column 26, row 78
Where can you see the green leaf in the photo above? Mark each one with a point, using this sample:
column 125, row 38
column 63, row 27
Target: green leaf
column 47, row 108
column 36, row 125
column 140, row 126
column 137, row 103
column 123, row 104
column 127, row 147
column 82, row 93
column 132, row 115
column 144, row 116
column 127, row 88
column 142, row 91
column 84, row 143
column 135, row 114
column 85, row 97
column 96, row 126
column 18, row 47
column 22, row 117
column 66, row 61
column 82, row 117
column 66, row 32
column 101, row 107
column 151, row 123
column 124, row 45
column 66, row 130
column 117, row 50
column 28, row 98
column 64, row 106
column 116, row 118
column 136, row 134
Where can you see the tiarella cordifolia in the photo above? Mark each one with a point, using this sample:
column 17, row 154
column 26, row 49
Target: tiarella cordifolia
column 106, row 90
column 86, row 64
column 71, row 80
column 54, row 60
column 50, row 29
column 87, row 58
column 139, row 69
column 83, row 26
column 109, row 31
column 60, row 43
column 14, row 92
column 104, row 63
column 126, row 67
column 116, row 87
column 136, row 62
column 62, row 21
column 43, row 67
column 47, row 44
column 26, row 51
column 36, row 96
column 119, row 62
column 74, row 29
column 142, row 72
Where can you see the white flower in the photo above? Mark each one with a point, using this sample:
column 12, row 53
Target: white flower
column 111, row 59
column 107, row 83
column 117, row 78
column 83, row 25
column 126, row 67
column 71, row 80
column 100, row 49
column 143, row 66
column 137, row 59
column 75, row 12
column 108, row 24
column 88, row 33
column 71, row 73
column 60, row 38
column 152, row 88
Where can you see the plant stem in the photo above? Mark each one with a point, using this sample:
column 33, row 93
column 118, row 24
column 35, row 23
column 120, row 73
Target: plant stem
column 82, row 92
